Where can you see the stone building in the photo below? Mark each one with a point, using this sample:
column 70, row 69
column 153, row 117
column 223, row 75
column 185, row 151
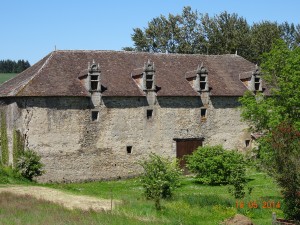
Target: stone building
column 93, row 114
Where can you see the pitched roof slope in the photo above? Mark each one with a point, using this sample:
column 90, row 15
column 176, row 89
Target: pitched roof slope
column 57, row 74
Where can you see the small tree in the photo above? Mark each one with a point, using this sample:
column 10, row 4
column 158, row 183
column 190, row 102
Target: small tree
column 29, row 165
column 160, row 178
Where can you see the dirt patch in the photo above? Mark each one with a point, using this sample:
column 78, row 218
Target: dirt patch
column 238, row 220
column 67, row 200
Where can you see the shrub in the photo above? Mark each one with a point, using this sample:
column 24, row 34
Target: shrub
column 10, row 175
column 160, row 178
column 214, row 165
column 29, row 165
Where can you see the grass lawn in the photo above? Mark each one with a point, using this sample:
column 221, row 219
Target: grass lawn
column 6, row 76
column 192, row 204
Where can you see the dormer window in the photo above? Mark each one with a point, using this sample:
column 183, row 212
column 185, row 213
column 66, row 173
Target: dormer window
column 94, row 77
column 149, row 76
column 256, row 84
column 203, row 83
column 201, row 79
column 94, row 82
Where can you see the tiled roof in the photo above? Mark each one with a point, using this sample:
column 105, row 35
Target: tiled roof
column 58, row 74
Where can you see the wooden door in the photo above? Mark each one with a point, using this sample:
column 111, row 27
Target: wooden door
column 186, row 147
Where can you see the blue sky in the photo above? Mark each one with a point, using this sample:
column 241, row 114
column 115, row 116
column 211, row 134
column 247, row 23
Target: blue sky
column 31, row 29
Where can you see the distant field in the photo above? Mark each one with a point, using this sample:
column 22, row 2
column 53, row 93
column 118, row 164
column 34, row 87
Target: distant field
column 6, row 76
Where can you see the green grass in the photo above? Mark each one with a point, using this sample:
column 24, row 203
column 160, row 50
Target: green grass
column 192, row 204
column 6, row 76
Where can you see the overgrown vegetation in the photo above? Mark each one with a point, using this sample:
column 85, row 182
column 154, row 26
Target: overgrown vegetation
column 277, row 118
column 4, row 141
column 18, row 146
column 29, row 165
column 160, row 178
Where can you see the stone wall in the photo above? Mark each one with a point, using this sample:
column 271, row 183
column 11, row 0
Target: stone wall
column 75, row 147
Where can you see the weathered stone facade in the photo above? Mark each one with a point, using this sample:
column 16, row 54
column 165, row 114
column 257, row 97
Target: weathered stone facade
column 75, row 148
column 97, row 123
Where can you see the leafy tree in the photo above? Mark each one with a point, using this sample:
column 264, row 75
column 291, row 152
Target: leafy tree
column 278, row 118
column 175, row 34
column 160, row 178
column 263, row 35
column 290, row 34
column 227, row 33
column 192, row 32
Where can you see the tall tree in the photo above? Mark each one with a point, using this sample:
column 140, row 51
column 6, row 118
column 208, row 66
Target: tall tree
column 192, row 32
column 263, row 35
column 278, row 118
column 227, row 33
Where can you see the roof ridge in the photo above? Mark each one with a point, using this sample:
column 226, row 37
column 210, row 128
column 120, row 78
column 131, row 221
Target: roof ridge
column 32, row 77
column 137, row 52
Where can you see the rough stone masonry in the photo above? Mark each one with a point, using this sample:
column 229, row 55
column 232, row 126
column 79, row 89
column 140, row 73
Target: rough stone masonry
column 93, row 115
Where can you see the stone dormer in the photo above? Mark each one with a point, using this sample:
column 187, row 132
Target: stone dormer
column 198, row 79
column 256, row 81
column 201, row 83
column 94, row 77
column 149, row 76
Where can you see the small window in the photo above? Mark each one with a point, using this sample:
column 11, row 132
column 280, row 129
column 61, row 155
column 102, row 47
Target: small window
column 94, row 77
column 149, row 84
column 95, row 115
column 129, row 149
column 202, row 78
column 202, row 85
column 94, row 85
column 203, row 114
column 149, row 77
column 149, row 113
column 247, row 143
column 257, row 84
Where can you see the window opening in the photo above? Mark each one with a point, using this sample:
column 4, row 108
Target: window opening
column 94, row 85
column 247, row 143
column 149, row 77
column 257, row 84
column 149, row 84
column 95, row 115
column 149, row 113
column 203, row 114
column 129, row 149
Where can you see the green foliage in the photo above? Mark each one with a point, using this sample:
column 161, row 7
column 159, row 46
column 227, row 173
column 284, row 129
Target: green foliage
column 29, row 165
column 11, row 66
column 18, row 146
column 284, row 141
column 281, row 70
column 216, row 166
column 4, row 140
column 9, row 175
column 278, row 118
column 191, row 32
column 160, row 178
column 6, row 76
